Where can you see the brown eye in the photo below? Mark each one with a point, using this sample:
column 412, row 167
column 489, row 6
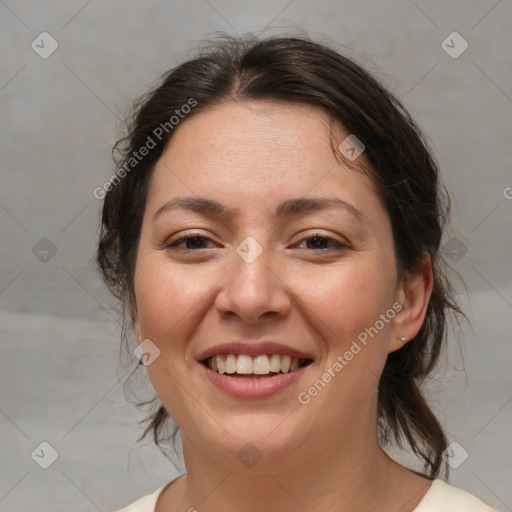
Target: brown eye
column 318, row 242
column 191, row 242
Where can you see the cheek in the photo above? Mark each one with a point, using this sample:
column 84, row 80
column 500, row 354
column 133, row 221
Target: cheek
column 166, row 295
column 348, row 305
column 348, row 299
column 169, row 307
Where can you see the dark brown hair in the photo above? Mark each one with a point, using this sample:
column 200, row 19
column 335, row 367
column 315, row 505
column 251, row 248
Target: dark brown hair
column 398, row 159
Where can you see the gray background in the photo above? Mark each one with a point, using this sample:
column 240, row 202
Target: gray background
column 60, row 116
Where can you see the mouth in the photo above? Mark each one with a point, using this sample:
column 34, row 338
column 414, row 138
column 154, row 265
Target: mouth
column 244, row 366
column 253, row 369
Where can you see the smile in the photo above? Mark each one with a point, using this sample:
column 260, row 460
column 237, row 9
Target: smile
column 237, row 374
column 243, row 365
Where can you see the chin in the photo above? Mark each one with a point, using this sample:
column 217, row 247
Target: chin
column 252, row 442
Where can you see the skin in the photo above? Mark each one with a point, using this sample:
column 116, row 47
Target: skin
column 321, row 456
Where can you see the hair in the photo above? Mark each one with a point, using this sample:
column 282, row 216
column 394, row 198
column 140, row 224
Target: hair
column 397, row 158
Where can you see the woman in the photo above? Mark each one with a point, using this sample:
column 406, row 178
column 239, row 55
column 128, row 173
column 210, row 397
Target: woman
column 273, row 234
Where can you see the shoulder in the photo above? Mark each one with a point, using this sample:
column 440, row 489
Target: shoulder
column 442, row 497
column 144, row 504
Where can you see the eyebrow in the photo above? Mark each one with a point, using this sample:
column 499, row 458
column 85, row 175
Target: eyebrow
column 288, row 208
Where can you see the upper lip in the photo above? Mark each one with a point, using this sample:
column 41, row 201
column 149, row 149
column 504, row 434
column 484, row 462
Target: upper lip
column 253, row 348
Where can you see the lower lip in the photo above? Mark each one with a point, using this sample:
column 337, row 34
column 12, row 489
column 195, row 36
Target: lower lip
column 257, row 387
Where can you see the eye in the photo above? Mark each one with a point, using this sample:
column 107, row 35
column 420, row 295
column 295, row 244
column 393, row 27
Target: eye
column 320, row 242
column 191, row 242
column 195, row 242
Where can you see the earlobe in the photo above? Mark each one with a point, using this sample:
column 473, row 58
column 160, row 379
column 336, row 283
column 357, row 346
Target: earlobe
column 414, row 294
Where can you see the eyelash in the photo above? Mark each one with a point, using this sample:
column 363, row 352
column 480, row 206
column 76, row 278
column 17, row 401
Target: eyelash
column 174, row 245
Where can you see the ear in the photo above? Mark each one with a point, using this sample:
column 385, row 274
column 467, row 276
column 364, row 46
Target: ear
column 413, row 292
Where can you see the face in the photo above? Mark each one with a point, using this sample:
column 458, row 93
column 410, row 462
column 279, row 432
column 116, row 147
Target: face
column 260, row 250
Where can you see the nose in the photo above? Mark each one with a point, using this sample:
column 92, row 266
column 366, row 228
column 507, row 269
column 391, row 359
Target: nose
column 253, row 288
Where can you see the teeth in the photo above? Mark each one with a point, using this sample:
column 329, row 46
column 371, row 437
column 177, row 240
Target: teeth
column 261, row 365
column 230, row 364
column 243, row 364
column 275, row 363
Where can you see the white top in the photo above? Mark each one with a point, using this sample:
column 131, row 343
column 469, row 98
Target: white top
column 440, row 497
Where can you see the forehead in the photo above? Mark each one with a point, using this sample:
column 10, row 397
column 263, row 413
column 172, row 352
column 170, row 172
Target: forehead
column 255, row 153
